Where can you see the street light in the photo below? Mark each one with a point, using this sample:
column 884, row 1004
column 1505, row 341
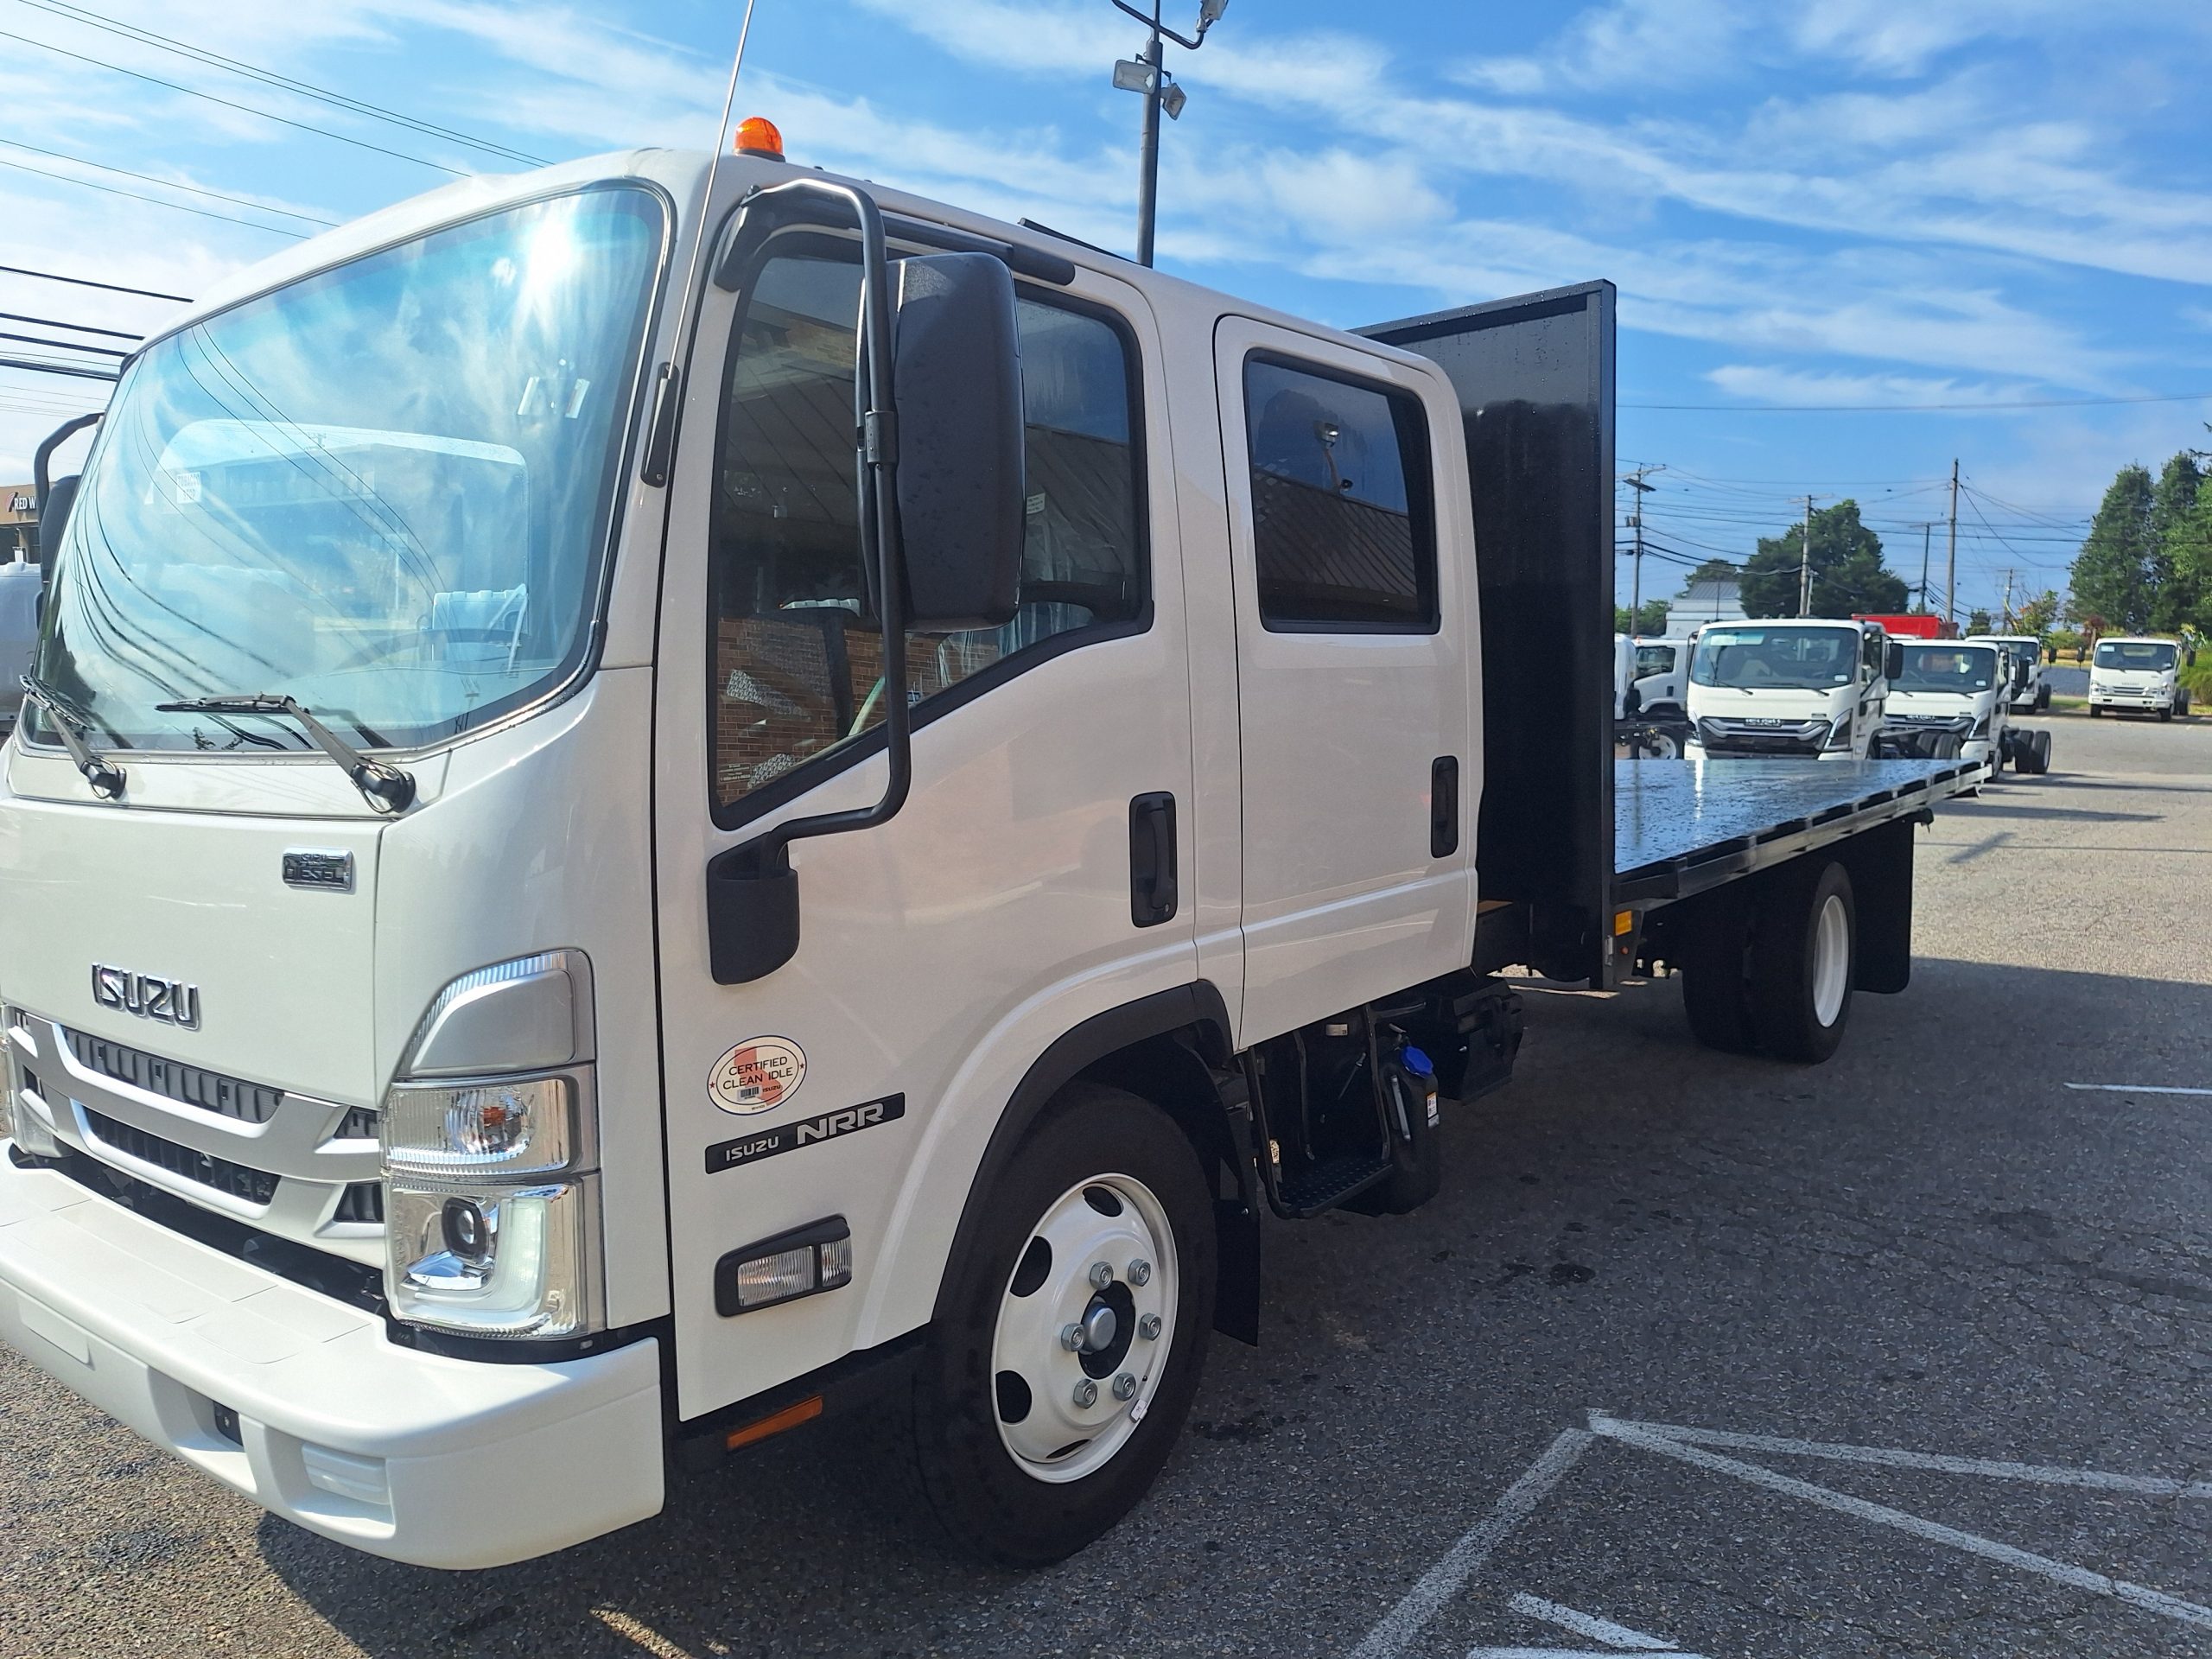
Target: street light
column 1144, row 73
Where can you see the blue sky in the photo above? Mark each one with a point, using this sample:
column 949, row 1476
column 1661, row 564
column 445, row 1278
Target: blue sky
column 1890, row 202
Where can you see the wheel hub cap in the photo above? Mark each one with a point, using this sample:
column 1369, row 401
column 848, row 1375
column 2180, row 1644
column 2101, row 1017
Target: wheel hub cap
column 1085, row 1326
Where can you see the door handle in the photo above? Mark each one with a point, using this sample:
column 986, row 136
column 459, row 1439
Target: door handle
column 1151, row 859
column 1444, row 806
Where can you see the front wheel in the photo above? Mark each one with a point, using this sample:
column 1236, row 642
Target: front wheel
column 1069, row 1341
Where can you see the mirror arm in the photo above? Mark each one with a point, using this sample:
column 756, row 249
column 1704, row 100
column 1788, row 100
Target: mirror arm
column 753, row 891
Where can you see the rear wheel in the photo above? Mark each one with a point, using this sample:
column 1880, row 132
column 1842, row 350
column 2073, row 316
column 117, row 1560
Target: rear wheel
column 2040, row 746
column 1069, row 1345
column 1803, row 960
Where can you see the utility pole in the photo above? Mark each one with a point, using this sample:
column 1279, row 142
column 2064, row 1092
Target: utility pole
column 2006, row 620
column 1805, row 565
column 1926, row 532
column 1635, row 481
column 1951, row 558
column 1146, row 73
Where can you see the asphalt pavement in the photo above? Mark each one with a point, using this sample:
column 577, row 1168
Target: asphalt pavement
column 1902, row 1355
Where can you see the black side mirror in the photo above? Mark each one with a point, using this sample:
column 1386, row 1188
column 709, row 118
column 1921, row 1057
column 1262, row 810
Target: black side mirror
column 52, row 519
column 957, row 391
column 1893, row 660
column 55, row 495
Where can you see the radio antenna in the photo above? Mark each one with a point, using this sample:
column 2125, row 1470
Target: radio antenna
column 713, row 164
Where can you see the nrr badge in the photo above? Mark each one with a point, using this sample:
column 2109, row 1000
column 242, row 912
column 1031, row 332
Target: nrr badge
column 757, row 1074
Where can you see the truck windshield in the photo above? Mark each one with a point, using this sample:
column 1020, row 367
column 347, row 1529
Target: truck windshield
column 1963, row 669
column 384, row 490
column 1653, row 659
column 2140, row 656
column 1753, row 659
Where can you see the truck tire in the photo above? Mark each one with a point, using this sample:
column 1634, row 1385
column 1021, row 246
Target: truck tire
column 1805, row 957
column 2043, row 699
column 1028, row 1450
column 2166, row 713
column 2040, row 746
column 2095, row 713
column 1714, row 996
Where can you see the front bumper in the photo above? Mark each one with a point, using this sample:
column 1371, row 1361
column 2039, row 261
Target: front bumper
column 439, row 1462
column 2150, row 700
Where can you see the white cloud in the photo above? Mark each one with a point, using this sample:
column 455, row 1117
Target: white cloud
column 1799, row 389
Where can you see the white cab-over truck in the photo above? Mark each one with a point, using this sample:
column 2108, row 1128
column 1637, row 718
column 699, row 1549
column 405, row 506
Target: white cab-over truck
column 2138, row 676
column 2030, row 691
column 1964, row 689
column 1789, row 686
column 594, row 871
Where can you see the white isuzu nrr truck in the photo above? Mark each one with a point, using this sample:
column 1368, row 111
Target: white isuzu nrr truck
column 658, row 800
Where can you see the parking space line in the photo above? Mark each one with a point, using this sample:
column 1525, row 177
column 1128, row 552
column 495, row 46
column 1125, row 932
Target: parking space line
column 1933, row 1532
column 2136, row 1088
column 1563, row 1653
column 1444, row 1580
column 1589, row 1625
column 2147, row 1485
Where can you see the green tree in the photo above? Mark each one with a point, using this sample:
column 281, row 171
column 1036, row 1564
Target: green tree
column 1978, row 622
column 1848, row 575
column 1651, row 618
column 2113, row 573
column 2191, row 554
column 2176, row 592
column 2040, row 615
column 1715, row 570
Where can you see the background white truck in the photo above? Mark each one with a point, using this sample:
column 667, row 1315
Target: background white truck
column 1964, row 688
column 2137, row 674
column 660, row 799
column 2030, row 691
column 1788, row 686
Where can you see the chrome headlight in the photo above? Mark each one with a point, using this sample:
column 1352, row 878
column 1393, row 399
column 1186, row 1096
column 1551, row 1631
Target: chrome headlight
column 491, row 1143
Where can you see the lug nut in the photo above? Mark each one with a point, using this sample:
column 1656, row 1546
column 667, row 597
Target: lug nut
column 1101, row 1275
column 1148, row 1327
column 1086, row 1393
column 1140, row 1272
column 1071, row 1339
column 1125, row 1386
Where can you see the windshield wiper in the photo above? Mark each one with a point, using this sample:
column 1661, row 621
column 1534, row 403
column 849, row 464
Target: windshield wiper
column 69, row 722
column 388, row 789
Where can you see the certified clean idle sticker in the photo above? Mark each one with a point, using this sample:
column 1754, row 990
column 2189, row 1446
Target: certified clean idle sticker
column 757, row 1074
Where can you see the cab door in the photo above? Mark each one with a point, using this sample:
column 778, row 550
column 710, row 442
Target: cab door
column 854, row 1088
column 1354, row 654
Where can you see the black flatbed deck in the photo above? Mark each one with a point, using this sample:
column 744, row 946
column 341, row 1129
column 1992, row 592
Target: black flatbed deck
column 1682, row 826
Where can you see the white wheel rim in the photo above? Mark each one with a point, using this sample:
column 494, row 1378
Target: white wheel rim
column 1831, row 959
column 1037, row 1381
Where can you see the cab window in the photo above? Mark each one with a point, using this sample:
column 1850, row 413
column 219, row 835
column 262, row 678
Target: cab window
column 795, row 659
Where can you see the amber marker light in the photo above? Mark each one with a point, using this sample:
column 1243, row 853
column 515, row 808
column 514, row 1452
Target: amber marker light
column 757, row 135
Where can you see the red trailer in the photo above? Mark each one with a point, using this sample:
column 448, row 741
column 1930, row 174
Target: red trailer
column 1918, row 626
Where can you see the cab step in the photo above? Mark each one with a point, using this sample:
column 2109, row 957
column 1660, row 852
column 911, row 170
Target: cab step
column 1330, row 1185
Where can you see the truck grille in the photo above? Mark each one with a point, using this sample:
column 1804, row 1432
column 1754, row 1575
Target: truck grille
column 233, row 1180
column 189, row 1085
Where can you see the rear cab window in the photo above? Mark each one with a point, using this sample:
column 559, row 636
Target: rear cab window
column 1343, row 527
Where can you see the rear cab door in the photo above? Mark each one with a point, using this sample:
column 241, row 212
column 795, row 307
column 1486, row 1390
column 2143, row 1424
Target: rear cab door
column 1356, row 660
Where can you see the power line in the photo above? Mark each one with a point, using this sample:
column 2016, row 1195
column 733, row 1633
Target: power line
column 269, row 76
column 63, row 345
column 229, row 104
column 40, row 365
column 140, row 195
column 1909, row 409
column 167, row 184
column 87, row 282
column 74, row 327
